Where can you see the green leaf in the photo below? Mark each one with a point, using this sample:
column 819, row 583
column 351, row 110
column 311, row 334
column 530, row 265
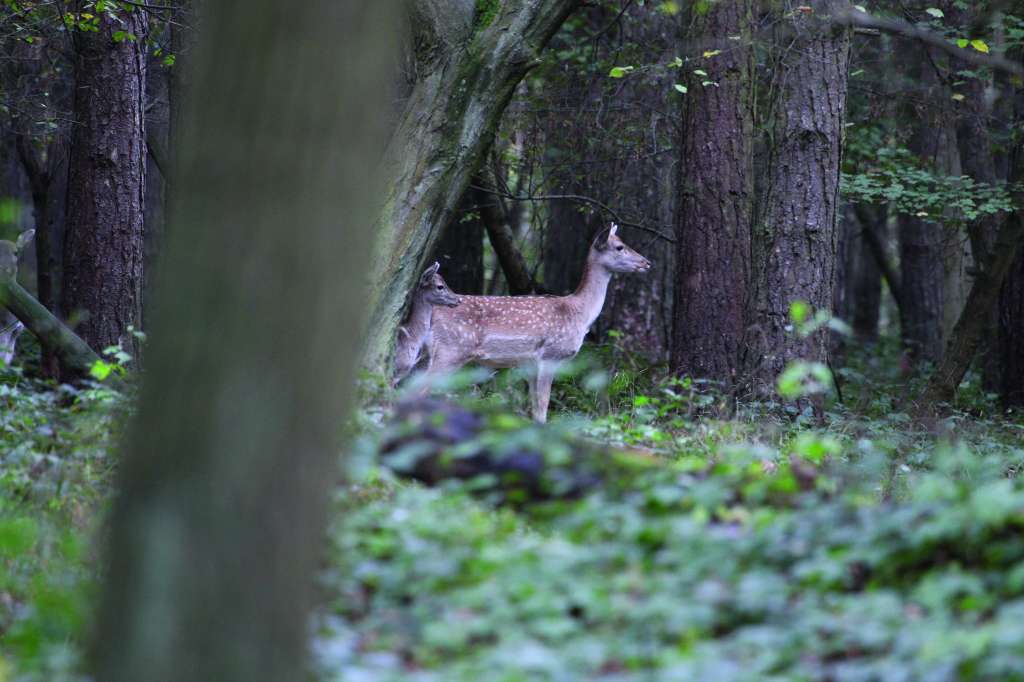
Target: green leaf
column 700, row 72
column 711, row 53
column 935, row 12
column 100, row 370
column 619, row 71
column 798, row 311
column 962, row 42
column 680, row 88
column 980, row 45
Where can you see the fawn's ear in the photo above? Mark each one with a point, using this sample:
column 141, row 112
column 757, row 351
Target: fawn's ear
column 23, row 239
column 429, row 273
column 613, row 229
column 601, row 240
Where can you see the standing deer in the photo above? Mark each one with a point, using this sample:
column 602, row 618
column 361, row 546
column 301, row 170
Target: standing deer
column 10, row 326
column 536, row 333
column 414, row 334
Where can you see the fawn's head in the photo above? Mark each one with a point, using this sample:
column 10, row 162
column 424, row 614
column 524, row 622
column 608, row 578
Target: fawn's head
column 433, row 289
column 611, row 253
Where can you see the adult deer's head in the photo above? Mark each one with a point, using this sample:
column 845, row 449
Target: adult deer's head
column 611, row 253
column 434, row 290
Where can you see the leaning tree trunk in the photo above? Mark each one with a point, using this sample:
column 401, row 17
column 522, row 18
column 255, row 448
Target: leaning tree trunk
column 983, row 298
column 218, row 524
column 103, row 251
column 468, row 63
column 799, row 210
column 715, row 198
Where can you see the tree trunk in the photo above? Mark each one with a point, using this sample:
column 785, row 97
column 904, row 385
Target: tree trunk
column 218, row 524
column 967, row 333
column 567, row 242
column 931, row 257
column 468, row 66
column 40, row 171
column 866, row 278
column 460, row 250
column 715, row 198
column 799, row 234
column 1010, row 334
column 103, row 252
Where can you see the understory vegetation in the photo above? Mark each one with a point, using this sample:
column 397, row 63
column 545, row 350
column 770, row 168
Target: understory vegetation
column 738, row 542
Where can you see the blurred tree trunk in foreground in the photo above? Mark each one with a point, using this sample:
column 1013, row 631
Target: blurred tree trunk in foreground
column 715, row 196
column 798, row 234
column 218, row 522
column 103, row 248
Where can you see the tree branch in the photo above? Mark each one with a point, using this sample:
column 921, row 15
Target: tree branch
column 849, row 16
column 580, row 199
column 877, row 249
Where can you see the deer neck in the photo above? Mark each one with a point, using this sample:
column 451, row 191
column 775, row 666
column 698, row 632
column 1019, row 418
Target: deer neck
column 591, row 292
column 419, row 320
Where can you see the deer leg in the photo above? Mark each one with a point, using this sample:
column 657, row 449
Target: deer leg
column 541, row 391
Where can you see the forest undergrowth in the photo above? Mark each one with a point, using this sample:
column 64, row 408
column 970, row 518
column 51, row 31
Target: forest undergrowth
column 742, row 541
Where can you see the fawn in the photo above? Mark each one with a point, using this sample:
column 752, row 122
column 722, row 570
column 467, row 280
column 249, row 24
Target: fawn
column 414, row 334
column 536, row 333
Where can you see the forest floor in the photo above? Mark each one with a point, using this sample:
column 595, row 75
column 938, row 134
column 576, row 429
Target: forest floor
column 762, row 546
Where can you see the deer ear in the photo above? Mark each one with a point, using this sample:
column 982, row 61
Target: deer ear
column 613, row 229
column 429, row 273
column 23, row 239
column 601, row 240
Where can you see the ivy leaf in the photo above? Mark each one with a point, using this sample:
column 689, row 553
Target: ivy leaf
column 935, row 12
column 680, row 88
column 980, row 45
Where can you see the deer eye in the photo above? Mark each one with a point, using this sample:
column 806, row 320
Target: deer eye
column 619, row 247
column 440, row 286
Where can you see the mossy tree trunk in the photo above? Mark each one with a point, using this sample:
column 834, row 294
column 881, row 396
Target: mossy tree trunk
column 218, row 523
column 469, row 57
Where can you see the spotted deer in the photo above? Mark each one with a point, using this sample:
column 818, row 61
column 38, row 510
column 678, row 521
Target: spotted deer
column 414, row 334
column 535, row 333
column 10, row 326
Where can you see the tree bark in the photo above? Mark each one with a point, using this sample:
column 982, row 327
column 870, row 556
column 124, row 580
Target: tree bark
column 40, row 172
column 469, row 65
column 715, row 198
column 103, row 251
column 866, row 278
column 1010, row 334
column 798, row 228
column 503, row 241
column 460, row 250
column 218, row 523
column 931, row 256
column 976, row 316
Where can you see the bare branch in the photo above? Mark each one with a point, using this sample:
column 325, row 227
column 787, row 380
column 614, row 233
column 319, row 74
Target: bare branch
column 580, row 199
column 850, row 16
